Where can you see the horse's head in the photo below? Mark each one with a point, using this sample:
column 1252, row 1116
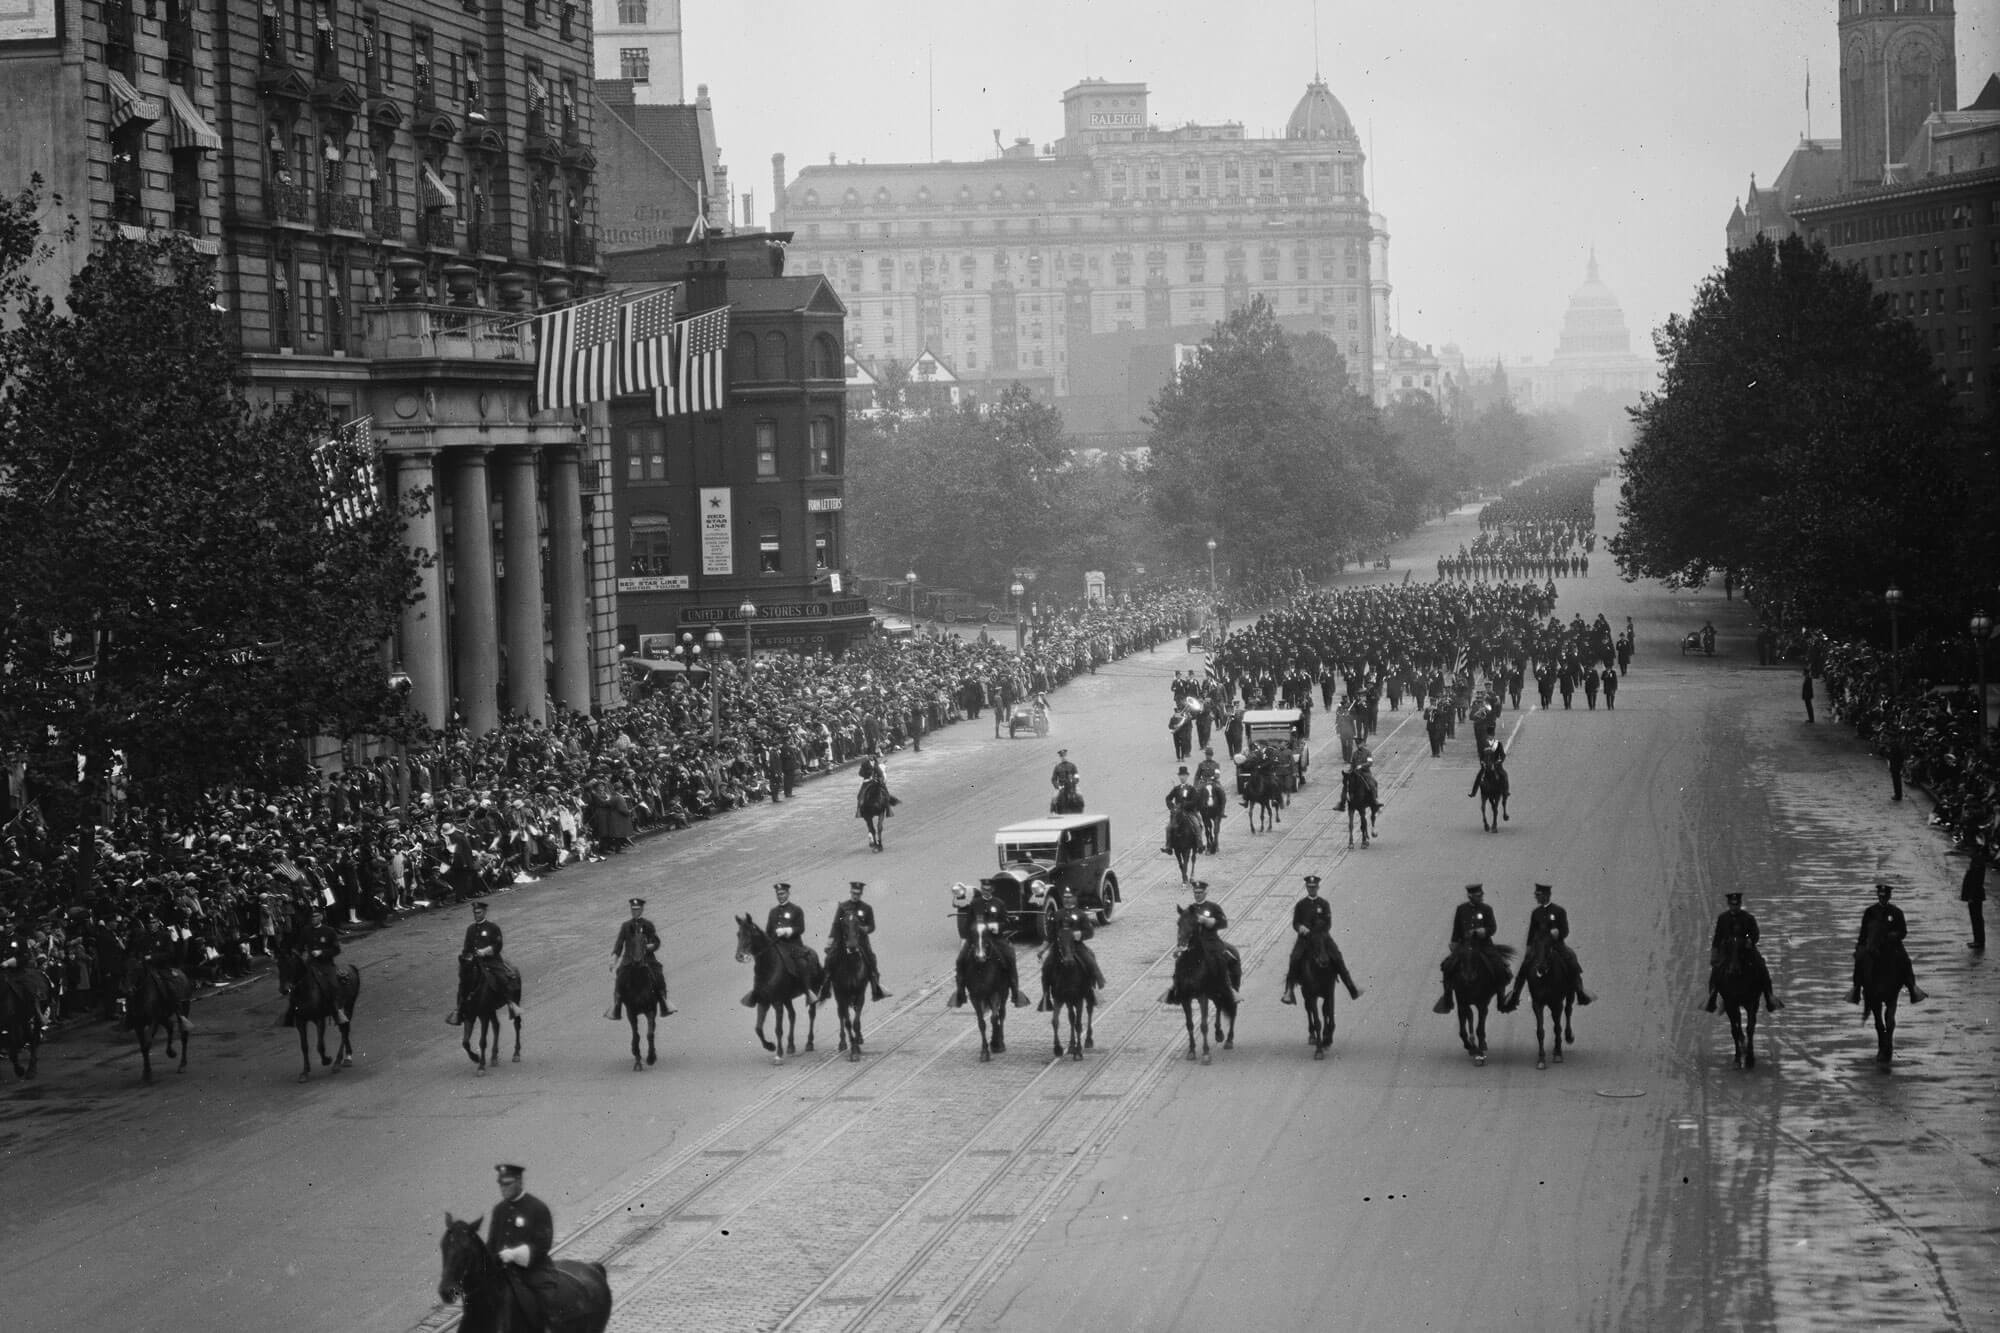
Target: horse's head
column 1183, row 928
column 847, row 930
column 464, row 1255
column 749, row 937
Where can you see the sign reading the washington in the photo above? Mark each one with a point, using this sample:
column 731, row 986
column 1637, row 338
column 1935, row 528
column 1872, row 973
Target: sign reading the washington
column 717, row 548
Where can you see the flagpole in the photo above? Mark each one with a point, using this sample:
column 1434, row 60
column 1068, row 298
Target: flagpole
column 635, row 295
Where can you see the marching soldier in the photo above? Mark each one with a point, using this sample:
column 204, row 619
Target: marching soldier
column 1312, row 925
column 1892, row 916
column 863, row 914
column 1551, row 920
column 1737, row 926
column 638, row 942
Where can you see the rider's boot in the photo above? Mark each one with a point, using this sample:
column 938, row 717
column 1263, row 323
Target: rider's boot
column 1096, row 976
column 617, row 1009
column 1710, row 1006
column 513, row 1011
column 1771, row 1001
column 749, row 1000
column 1291, row 995
column 1917, row 994
column 1020, row 1000
column 957, row 1000
column 340, row 1017
column 1443, row 1006
column 1582, row 996
column 454, row 1018
column 875, row 987
column 1353, row 991
column 1042, row 1006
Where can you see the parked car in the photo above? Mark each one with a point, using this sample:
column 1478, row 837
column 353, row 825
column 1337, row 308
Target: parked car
column 1039, row 858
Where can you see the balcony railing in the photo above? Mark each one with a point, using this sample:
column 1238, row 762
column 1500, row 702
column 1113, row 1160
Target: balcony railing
column 287, row 203
column 549, row 247
column 451, row 332
column 583, row 251
column 340, row 212
column 388, row 222
column 438, row 228
column 489, row 238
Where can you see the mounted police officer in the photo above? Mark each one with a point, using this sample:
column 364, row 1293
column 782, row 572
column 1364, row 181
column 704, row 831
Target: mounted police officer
column 1474, row 925
column 786, row 925
column 1210, row 920
column 1312, row 925
column 1065, row 773
column 1207, row 770
column 322, row 946
column 983, row 914
column 638, row 942
column 870, row 770
column 1082, row 927
column 1183, row 795
column 1549, row 919
column 863, row 915
column 519, row 1235
column 1892, row 918
column 1740, row 928
column 481, row 953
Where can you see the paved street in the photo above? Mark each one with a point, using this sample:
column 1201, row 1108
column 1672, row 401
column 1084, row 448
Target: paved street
column 1642, row 1184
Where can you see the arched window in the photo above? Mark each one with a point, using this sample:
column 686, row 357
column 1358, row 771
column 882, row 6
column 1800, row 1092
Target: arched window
column 851, row 198
column 743, row 357
column 771, row 357
column 826, row 359
column 923, row 194
column 811, row 200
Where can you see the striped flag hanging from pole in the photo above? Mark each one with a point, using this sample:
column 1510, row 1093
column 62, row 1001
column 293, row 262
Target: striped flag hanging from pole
column 346, row 467
column 576, row 354
column 645, row 340
column 699, row 346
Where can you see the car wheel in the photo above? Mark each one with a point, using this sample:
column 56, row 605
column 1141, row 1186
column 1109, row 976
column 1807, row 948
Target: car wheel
column 1107, row 894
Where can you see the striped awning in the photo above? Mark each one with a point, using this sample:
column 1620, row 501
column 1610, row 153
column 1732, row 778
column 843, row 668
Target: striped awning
column 438, row 194
column 127, row 105
column 189, row 130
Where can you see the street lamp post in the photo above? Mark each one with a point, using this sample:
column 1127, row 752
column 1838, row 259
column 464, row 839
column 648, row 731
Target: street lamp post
column 400, row 683
column 1211, row 566
column 714, row 641
column 749, row 613
column 910, row 582
column 1894, row 597
column 1982, row 626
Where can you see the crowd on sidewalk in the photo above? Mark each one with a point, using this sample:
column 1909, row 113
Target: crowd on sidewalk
column 235, row 880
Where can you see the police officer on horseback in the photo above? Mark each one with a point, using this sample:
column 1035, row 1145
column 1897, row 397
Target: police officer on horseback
column 863, row 916
column 1183, row 795
column 1312, row 927
column 1210, row 920
column 1361, row 767
column 1069, row 917
column 1550, row 921
column 519, row 1236
column 1738, row 927
column 1891, row 917
column 786, row 925
column 1473, row 926
column 871, row 770
column 983, row 914
column 1065, row 773
column 322, row 946
column 1207, row 770
column 638, row 942
column 481, row 953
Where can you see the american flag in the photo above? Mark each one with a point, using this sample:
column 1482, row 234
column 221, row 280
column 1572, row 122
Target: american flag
column 645, row 343
column 697, row 385
column 576, row 357
column 346, row 467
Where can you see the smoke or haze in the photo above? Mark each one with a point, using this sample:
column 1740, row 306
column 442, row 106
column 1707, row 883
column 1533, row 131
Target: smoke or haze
column 1505, row 139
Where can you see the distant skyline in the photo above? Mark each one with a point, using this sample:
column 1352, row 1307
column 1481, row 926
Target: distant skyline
column 1504, row 141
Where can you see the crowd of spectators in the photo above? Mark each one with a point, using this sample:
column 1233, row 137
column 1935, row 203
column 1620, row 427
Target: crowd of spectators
column 236, row 881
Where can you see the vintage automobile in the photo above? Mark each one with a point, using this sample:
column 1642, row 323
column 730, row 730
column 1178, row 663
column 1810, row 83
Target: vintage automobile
column 1039, row 858
column 1278, row 728
column 1027, row 715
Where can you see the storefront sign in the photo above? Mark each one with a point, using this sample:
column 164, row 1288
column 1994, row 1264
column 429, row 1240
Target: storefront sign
column 655, row 583
column 723, row 615
column 822, row 504
column 718, row 542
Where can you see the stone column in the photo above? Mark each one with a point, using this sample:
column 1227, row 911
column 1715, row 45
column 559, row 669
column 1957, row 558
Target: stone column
column 423, row 627
column 569, row 580
column 527, row 674
column 474, row 639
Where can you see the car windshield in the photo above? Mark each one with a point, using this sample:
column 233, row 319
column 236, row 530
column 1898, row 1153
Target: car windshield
column 1027, row 851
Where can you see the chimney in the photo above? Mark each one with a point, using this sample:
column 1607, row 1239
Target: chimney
column 707, row 284
column 777, row 192
column 718, row 199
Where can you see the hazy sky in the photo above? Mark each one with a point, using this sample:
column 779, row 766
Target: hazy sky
column 1507, row 138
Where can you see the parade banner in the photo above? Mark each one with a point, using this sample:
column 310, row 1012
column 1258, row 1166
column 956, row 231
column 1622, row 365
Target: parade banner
column 718, row 543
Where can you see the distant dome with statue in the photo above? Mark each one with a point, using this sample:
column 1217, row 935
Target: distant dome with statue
column 1594, row 324
column 1319, row 115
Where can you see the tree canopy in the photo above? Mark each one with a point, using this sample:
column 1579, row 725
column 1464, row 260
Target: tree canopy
column 194, row 581
column 1801, row 439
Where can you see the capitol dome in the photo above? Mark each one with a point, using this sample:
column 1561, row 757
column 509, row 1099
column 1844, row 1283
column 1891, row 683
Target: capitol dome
column 1594, row 324
column 1319, row 115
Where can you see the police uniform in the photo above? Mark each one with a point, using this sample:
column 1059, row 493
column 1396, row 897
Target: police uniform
column 1182, row 796
column 1896, row 928
column 481, row 952
column 1079, row 921
column 1210, row 917
column 1312, row 936
column 1737, row 927
column 1207, row 770
column 986, row 910
column 1550, row 920
column 638, row 942
column 1064, row 773
column 1473, row 926
column 871, row 769
column 524, row 1222
column 863, row 915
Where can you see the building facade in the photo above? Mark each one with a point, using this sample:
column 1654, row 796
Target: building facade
column 745, row 504
column 1898, row 63
column 1007, row 268
column 389, row 190
column 639, row 41
column 1593, row 354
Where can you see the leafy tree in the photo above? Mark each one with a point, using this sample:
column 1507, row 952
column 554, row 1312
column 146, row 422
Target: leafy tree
column 191, row 581
column 1801, row 439
column 1427, row 445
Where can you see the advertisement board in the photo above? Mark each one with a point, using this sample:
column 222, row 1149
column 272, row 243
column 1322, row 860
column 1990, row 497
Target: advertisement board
column 718, row 543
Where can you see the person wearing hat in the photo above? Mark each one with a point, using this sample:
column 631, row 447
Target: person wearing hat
column 1207, row 770
column 1079, row 923
column 786, row 925
column 481, row 953
column 1209, row 922
column 1065, row 773
column 871, row 770
column 520, row 1234
column 1891, row 917
column 1740, row 928
column 1181, row 796
column 1473, row 926
column 863, row 915
column 1312, row 928
column 638, row 942
column 1548, row 919
column 983, row 914
column 322, row 946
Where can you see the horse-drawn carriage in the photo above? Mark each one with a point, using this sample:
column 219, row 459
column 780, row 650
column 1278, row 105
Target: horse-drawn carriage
column 1028, row 715
column 1282, row 731
column 1039, row 858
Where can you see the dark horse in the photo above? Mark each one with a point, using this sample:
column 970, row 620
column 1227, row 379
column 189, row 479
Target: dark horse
column 775, row 989
column 986, row 987
column 486, row 995
column 1067, row 800
column 577, row 1299
column 157, row 997
column 24, row 996
column 1317, row 978
column 1214, row 808
column 1201, row 978
column 1261, row 795
column 639, row 995
column 1884, row 969
column 1740, row 982
column 314, row 1002
column 1067, row 977
column 1363, row 801
column 1491, row 788
column 1184, row 839
column 873, row 809
column 847, row 977
column 1552, row 991
column 1476, row 974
